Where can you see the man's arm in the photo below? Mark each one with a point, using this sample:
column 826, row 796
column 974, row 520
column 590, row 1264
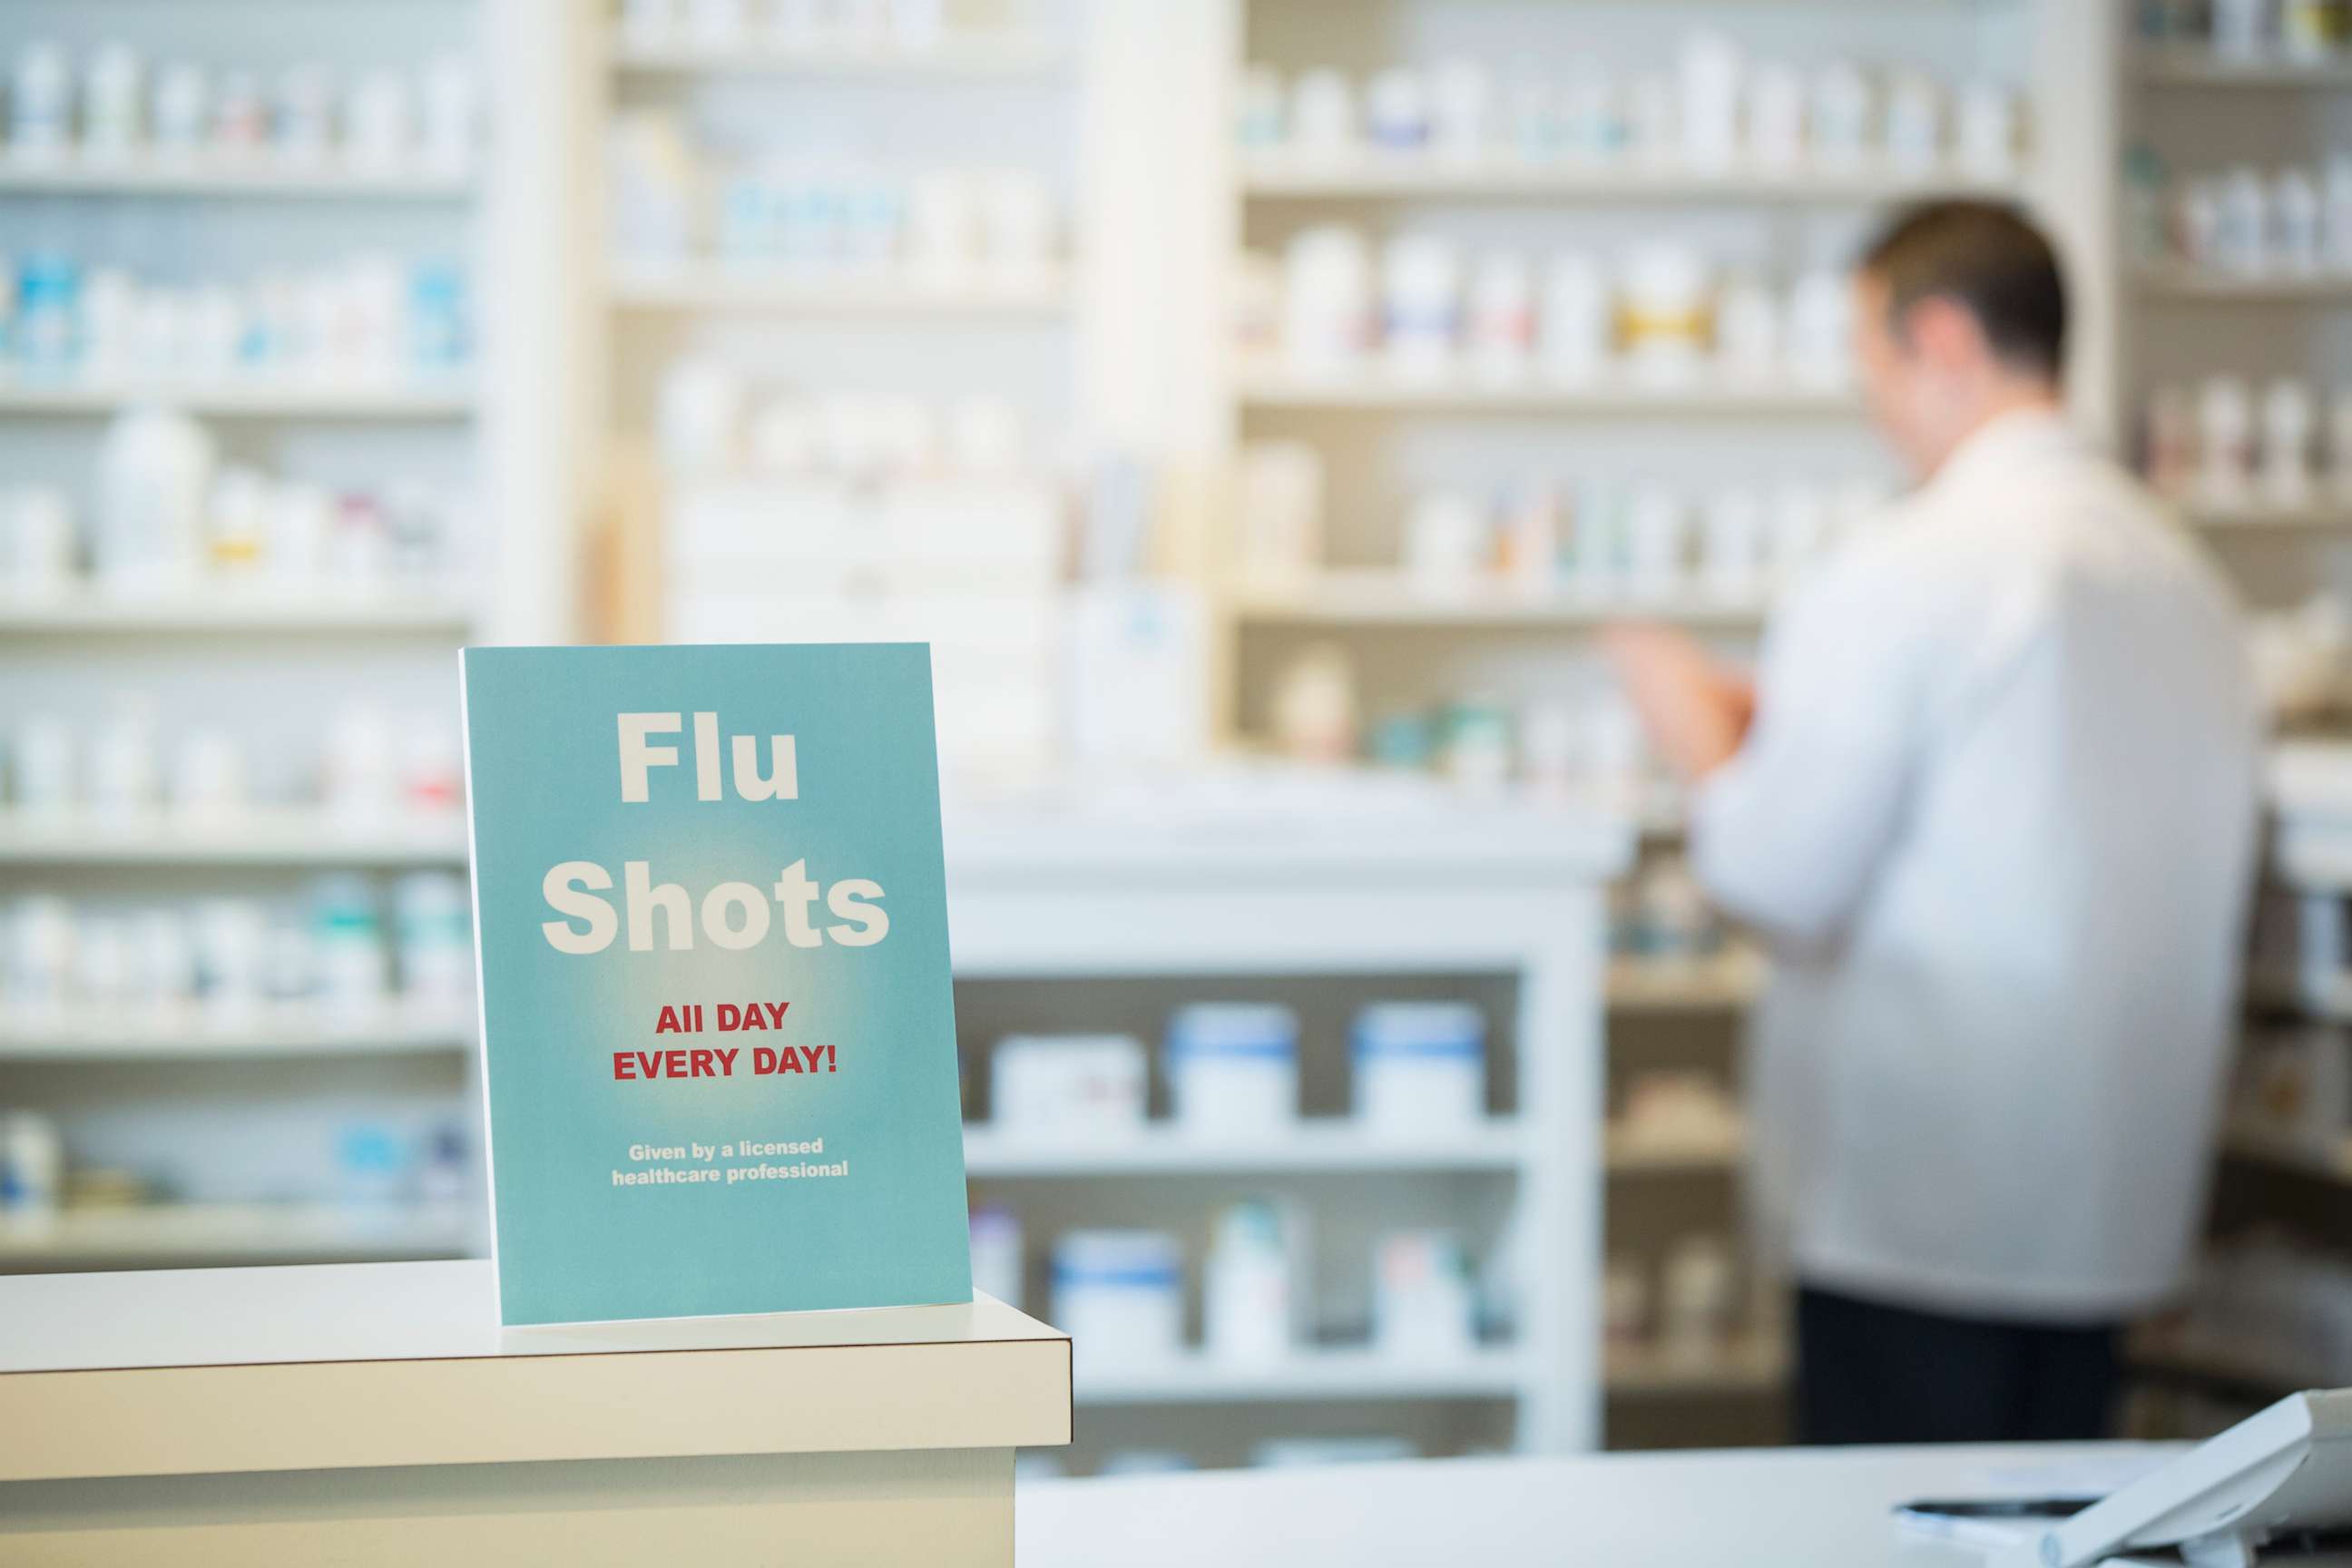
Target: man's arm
column 1797, row 781
column 1695, row 711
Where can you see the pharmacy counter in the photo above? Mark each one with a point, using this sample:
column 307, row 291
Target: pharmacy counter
column 376, row 1412
column 1818, row 1508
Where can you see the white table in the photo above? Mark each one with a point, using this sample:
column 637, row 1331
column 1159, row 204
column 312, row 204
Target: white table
column 1819, row 1508
column 377, row 1413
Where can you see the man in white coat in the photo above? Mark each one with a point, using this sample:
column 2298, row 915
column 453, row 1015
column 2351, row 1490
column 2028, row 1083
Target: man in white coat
column 1991, row 800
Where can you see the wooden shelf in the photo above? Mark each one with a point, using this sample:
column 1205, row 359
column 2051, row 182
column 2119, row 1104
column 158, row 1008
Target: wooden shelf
column 231, row 607
column 2201, row 65
column 1750, row 1364
column 1651, row 1155
column 1375, row 387
column 972, row 55
column 1725, row 982
column 2178, row 281
column 1329, row 1144
column 86, row 1036
column 160, row 176
column 260, row 837
column 190, row 1235
column 1307, row 1375
column 1369, row 174
column 1385, row 598
column 756, row 288
column 255, row 397
column 2261, row 517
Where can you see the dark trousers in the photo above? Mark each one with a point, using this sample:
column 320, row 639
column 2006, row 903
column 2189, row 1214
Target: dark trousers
column 1874, row 1374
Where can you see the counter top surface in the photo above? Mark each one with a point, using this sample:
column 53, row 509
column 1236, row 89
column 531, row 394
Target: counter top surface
column 1806, row 1508
column 398, row 1312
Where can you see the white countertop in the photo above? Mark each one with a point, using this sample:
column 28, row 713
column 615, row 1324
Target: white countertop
column 1818, row 1508
column 361, row 1365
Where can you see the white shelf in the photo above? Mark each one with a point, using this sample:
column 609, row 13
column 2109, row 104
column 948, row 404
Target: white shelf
column 188, row 1235
column 1753, row 1364
column 1333, row 1144
column 260, row 837
column 1376, row 386
column 2201, row 65
column 1653, row 1156
column 2257, row 516
column 152, row 175
column 90, row 1037
column 246, row 397
column 1303, row 1377
column 756, row 288
column 1725, row 981
column 966, row 57
column 2178, row 281
column 1389, row 599
column 1373, row 175
column 230, row 607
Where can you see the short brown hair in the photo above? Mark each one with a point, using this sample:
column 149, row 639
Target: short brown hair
column 1991, row 260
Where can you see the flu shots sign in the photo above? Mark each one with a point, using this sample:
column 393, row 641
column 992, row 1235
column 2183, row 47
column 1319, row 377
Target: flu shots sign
column 718, row 1041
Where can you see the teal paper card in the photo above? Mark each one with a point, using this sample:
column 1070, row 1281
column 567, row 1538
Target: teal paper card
column 718, row 1041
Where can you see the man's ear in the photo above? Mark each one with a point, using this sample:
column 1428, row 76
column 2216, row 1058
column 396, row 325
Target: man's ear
column 1942, row 334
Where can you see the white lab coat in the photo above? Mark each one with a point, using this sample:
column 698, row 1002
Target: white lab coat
column 1996, row 818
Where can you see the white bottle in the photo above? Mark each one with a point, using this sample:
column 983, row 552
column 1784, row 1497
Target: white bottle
column 2241, row 29
column 2336, row 214
column 1327, row 298
column 1322, row 114
column 2242, row 244
column 2294, row 220
column 1747, row 330
column 1449, row 543
column 2288, row 416
column 1502, row 316
column 2225, row 437
column 1840, row 115
column 1461, row 110
column 1420, row 288
column 1988, row 131
column 2339, row 443
column 1731, row 549
column 156, row 470
column 1915, row 122
column 183, row 108
column 111, row 121
column 1776, row 118
column 1710, row 73
column 1574, row 323
column 1245, row 1299
column 41, row 102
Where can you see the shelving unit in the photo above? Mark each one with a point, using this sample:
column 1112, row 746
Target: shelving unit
column 2200, row 66
column 243, row 1123
column 2192, row 283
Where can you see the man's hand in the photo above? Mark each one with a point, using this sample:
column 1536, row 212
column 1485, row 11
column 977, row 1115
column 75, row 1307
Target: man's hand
column 1696, row 713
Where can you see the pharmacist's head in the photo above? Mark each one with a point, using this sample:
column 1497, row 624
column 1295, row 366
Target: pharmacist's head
column 1961, row 317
